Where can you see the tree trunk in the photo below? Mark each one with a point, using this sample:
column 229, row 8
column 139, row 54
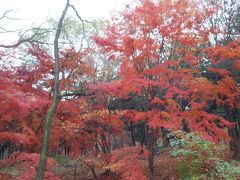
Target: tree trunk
column 149, row 141
column 54, row 105
column 132, row 129
column 94, row 173
column 234, row 116
column 236, row 149
column 75, row 169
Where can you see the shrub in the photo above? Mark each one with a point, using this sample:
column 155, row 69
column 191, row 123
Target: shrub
column 203, row 159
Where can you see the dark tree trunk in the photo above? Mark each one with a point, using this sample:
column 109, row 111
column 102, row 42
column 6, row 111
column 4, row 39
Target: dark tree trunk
column 75, row 169
column 166, row 141
column 106, row 148
column 115, row 146
column 94, row 173
column 237, row 149
column 234, row 116
column 236, row 152
column 185, row 127
column 132, row 129
column 150, row 148
column 9, row 150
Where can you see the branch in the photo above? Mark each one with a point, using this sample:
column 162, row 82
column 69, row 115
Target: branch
column 5, row 30
column 24, row 40
column 82, row 21
column 20, row 41
column 5, row 15
column 75, row 93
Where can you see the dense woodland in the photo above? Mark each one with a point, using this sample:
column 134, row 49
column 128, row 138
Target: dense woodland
column 152, row 93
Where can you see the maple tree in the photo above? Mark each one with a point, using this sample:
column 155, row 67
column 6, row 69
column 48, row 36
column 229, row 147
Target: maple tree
column 29, row 99
column 163, row 49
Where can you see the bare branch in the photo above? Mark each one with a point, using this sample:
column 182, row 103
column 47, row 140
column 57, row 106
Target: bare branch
column 22, row 40
column 7, row 17
column 5, row 30
column 82, row 21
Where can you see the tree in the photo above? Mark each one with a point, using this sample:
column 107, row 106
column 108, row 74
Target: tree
column 74, row 70
column 162, row 49
column 36, row 74
column 224, row 38
column 56, row 98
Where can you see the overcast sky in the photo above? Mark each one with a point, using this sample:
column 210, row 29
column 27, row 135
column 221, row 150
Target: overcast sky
column 35, row 12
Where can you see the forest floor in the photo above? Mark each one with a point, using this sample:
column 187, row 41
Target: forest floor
column 165, row 166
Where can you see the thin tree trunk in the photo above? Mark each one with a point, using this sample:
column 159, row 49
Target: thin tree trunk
column 132, row 129
column 94, row 173
column 75, row 169
column 149, row 141
column 54, row 105
column 236, row 117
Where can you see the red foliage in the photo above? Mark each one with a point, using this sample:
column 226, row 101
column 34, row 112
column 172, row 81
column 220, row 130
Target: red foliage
column 141, row 38
column 29, row 162
column 126, row 161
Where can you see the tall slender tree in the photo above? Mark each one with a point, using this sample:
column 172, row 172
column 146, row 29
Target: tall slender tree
column 55, row 101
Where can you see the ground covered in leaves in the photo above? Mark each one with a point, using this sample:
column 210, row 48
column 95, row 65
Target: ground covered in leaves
column 165, row 166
